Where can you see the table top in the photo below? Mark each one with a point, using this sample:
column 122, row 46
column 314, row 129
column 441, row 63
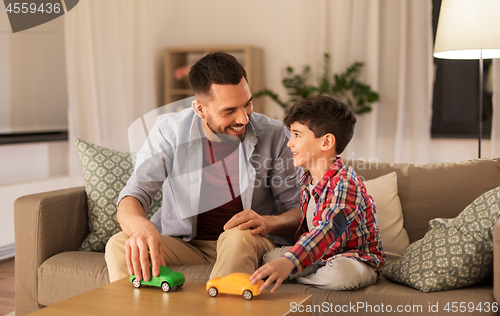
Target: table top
column 121, row 298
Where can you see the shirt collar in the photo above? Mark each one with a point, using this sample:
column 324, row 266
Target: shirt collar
column 332, row 171
column 196, row 130
column 250, row 134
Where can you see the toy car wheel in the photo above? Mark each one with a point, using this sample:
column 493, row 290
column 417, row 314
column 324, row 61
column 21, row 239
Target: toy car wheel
column 213, row 292
column 165, row 286
column 181, row 285
column 247, row 295
column 136, row 283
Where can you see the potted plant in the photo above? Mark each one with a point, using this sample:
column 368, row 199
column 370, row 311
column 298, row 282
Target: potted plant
column 345, row 87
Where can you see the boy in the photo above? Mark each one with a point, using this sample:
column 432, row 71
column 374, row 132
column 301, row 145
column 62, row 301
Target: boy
column 339, row 246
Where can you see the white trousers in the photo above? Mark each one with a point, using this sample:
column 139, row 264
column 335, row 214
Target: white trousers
column 338, row 274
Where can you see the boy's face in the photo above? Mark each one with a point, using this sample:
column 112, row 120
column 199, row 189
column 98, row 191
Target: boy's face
column 305, row 147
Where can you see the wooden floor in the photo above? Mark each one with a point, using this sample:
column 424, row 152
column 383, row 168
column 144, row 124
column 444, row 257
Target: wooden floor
column 7, row 304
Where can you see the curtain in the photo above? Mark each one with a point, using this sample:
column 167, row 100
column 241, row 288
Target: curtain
column 394, row 40
column 114, row 56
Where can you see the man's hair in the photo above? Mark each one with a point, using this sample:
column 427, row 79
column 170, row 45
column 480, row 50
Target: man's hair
column 325, row 115
column 215, row 68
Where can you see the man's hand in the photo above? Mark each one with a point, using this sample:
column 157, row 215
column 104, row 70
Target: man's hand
column 277, row 270
column 142, row 246
column 144, row 242
column 248, row 219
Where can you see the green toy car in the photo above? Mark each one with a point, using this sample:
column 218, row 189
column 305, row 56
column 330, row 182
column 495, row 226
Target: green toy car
column 166, row 280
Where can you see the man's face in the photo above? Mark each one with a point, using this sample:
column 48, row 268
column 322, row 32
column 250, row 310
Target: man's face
column 228, row 110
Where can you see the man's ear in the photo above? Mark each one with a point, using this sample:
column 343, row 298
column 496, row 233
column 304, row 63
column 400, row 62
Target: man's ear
column 198, row 108
column 328, row 142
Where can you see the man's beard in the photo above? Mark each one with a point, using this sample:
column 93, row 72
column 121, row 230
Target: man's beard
column 227, row 138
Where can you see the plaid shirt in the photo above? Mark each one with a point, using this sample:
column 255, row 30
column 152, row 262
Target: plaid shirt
column 345, row 223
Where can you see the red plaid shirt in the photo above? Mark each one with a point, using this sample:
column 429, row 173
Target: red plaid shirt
column 345, row 222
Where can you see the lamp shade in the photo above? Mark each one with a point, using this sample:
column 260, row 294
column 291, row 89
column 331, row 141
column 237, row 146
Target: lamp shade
column 465, row 27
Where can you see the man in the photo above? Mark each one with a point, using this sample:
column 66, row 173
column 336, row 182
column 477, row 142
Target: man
column 226, row 169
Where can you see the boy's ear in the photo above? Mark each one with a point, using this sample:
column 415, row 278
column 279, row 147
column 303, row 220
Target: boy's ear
column 198, row 108
column 328, row 142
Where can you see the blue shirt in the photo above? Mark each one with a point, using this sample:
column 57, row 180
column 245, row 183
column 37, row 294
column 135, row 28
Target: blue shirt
column 174, row 148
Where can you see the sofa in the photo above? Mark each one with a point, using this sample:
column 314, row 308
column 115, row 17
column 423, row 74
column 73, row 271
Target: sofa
column 50, row 227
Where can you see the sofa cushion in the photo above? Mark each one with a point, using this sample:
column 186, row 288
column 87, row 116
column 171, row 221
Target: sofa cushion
column 69, row 274
column 384, row 191
column 455, row 252
column 436, row 189
column 106, row 172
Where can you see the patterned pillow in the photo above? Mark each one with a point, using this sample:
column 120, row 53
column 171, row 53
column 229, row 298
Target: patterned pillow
column 455, row 252
column 106, row 172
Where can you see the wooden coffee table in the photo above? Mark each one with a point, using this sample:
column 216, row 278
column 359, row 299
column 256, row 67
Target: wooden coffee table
column 121, row 298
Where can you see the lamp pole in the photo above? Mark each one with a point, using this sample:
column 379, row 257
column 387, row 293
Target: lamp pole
column 465, row 30
column 480, row 100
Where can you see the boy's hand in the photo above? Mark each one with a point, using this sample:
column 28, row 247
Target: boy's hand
column 277, row 270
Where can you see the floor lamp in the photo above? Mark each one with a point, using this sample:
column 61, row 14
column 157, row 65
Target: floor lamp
column 469, row 29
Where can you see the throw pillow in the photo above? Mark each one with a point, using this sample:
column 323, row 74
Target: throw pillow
column 106, row 172
column 455, row 252
column 384, row 191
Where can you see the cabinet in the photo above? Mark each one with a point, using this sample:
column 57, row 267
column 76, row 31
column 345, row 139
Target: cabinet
column 176, row 57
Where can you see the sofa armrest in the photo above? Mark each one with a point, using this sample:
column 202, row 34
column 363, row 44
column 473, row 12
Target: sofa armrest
column 496, row 261
column 45, row 224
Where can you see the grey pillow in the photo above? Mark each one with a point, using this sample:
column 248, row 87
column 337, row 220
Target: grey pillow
column 454, row 253
column 106, row 172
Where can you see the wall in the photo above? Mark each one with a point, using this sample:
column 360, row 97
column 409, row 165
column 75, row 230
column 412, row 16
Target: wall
column 33, row 93
column 4, row 73
column 32, row 97
column 443, row 149
column 286, row 32
column 28, row 169
column 277, row 26
column 27, row 162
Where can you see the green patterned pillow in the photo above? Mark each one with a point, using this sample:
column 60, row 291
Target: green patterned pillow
column 454, row 253
column 106, row 172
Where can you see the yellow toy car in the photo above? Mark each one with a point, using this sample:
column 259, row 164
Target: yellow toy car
column 235, row 283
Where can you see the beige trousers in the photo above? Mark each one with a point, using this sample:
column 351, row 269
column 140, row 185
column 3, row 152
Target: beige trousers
column 339, row 274
column 235, row 251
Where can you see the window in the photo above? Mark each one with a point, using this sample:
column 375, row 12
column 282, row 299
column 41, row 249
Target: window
column 456, row 95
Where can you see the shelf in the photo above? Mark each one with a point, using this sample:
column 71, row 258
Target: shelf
column 250, row 57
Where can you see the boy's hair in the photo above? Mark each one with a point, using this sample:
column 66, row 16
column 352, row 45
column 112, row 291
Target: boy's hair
column 325, row 115
column 218, row 68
